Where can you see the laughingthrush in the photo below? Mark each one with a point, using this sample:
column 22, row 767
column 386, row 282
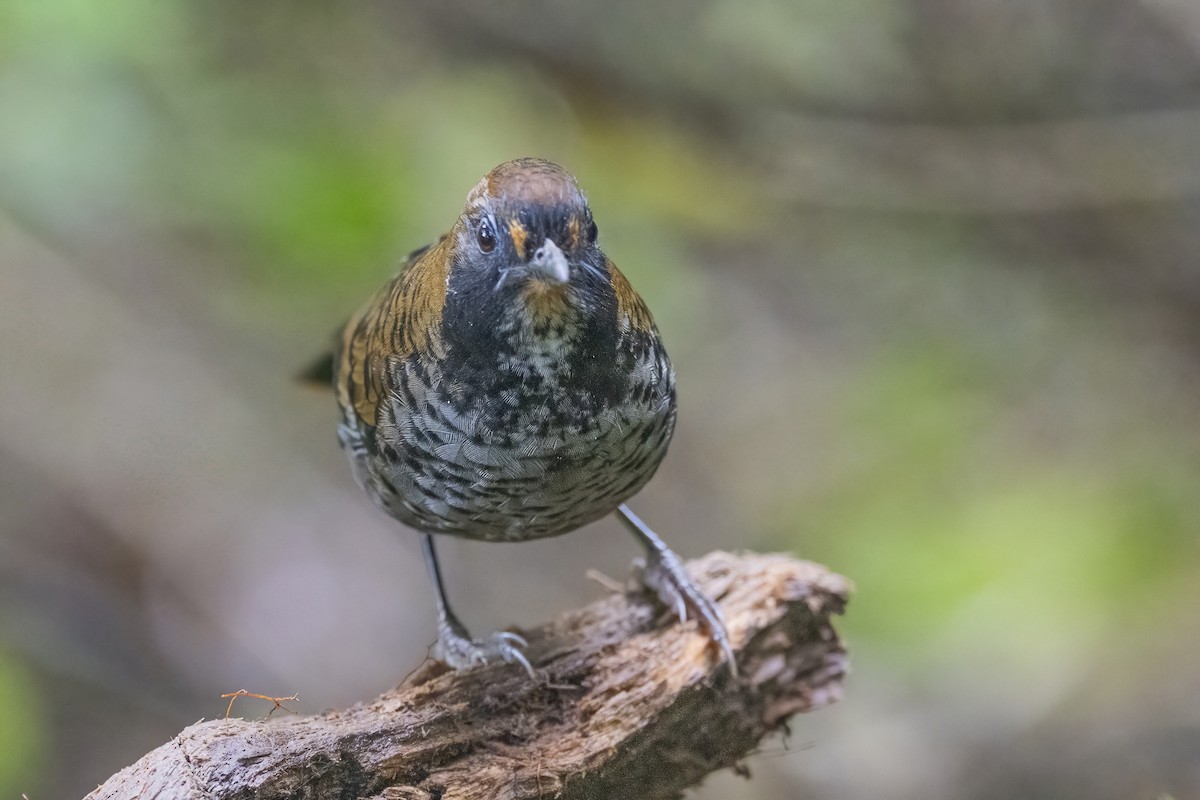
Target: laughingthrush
column 510, row 384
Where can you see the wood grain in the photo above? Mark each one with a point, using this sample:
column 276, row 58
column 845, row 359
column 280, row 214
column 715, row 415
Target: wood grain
column 631, row 704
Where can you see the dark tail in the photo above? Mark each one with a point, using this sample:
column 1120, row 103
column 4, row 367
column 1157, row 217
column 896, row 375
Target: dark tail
column 319, row 372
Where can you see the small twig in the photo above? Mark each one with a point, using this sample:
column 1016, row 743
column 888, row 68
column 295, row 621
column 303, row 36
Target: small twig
column 278, row 701
column 612, row 584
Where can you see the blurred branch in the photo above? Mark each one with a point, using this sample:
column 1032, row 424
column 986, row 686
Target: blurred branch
column 628, row 707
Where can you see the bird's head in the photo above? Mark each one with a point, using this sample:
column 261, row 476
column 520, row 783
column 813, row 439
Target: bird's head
column 518, row 283
column 525, row 250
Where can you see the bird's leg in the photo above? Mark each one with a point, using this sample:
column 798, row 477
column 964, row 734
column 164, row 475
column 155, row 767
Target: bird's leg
column 455, row 645
column 665, row 574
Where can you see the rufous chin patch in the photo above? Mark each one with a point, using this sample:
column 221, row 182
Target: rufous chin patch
column 546, row 301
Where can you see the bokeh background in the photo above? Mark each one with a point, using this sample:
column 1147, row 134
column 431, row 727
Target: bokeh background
column 929, row 272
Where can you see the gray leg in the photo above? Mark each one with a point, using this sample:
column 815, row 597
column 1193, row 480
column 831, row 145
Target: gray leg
column 455, row 646
column 669, row 580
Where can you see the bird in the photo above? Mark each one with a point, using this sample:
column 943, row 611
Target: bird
column 509, row 384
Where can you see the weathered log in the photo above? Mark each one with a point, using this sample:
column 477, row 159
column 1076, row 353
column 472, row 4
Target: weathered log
column 630, row 704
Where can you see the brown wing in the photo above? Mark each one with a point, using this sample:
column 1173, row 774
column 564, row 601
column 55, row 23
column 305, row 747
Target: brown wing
column 402, row 319
column 632, row 312
column 320, row 373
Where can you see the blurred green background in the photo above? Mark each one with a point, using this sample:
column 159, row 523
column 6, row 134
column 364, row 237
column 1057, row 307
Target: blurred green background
column 929, row 272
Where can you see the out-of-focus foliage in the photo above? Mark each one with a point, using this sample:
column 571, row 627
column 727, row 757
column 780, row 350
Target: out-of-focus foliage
column 22, row 729
column 928, row 272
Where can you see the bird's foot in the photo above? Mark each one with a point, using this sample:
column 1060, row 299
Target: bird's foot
column 666, row 576
column 456, row 647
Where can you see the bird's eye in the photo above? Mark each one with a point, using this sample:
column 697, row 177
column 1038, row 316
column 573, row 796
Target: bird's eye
column 485, row 235
column 592, row 231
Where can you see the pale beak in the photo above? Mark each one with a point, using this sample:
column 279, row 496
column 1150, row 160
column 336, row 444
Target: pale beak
column 549, row 263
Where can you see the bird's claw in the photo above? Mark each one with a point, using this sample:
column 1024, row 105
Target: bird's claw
column 459, row 650
column 665, row 575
